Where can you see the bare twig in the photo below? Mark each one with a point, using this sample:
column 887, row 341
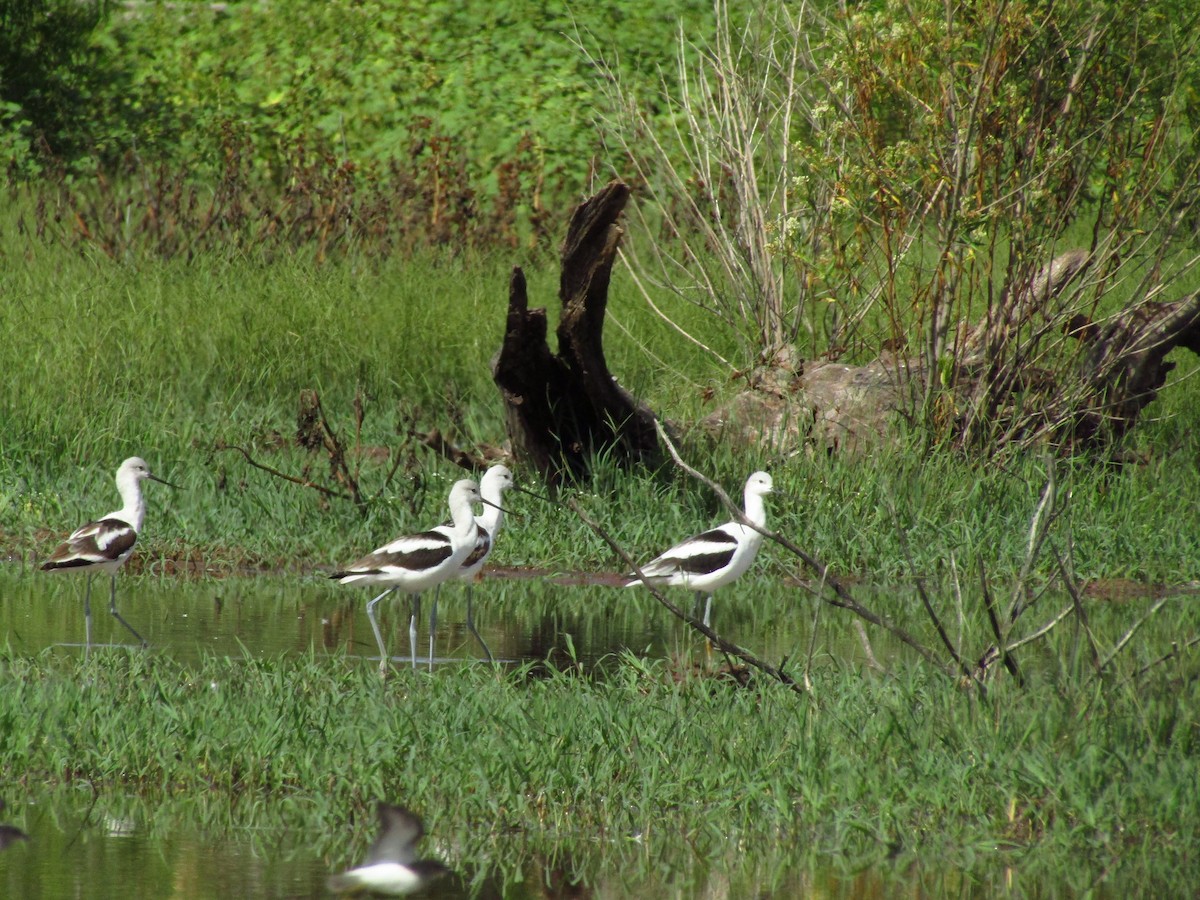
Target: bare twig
column 841, row 594
column 1010, row 661
column 1175, row 651
column 1039, row 527
column 964, row 669
column 303, row 482
column 1129, row 634
column 1080, row 612
column 1041, row 632
column 865, row 640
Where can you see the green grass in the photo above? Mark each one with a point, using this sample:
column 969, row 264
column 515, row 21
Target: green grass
column 168, row 359
column 1096, row 774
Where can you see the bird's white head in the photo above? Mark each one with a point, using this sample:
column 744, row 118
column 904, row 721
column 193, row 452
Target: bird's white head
column 134, row 470
column 496, row 481
column 135, row 467
column 465, row 492
column 759, row 484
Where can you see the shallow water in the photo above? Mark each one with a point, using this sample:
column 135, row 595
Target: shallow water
column 86, row 847
column 519, row 618
column 126, row 850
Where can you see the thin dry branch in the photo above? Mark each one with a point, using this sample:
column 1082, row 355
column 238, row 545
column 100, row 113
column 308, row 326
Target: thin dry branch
column 725, row 646
column 1125, row 638
column 1176, row 649
column 303, row 482
column 963, row 668
column 1041, row 632
column 1080, row 612
column 842, row 597
column 1009, row 660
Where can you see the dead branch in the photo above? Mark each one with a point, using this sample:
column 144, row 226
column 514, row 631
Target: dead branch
column 1041, row 632
column 303, row 482
column 1125, row 638
column 1009, row 660
column 725, row 646
column 1080, row 613
column 842, row 597
column 1175, row 650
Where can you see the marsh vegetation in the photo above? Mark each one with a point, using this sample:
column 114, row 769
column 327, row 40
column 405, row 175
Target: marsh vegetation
column 981, row 635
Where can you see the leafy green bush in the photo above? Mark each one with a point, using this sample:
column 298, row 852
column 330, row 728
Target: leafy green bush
column 369, row 81
column 55, row 80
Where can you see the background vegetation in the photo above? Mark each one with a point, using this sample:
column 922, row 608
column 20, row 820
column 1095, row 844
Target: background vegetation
column 215, row 225
column 210, row 208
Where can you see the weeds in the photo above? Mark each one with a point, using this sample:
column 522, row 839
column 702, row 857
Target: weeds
column 814, row 189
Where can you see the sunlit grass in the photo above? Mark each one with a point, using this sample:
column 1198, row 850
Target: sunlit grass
column 861, row 769
column 172, row 359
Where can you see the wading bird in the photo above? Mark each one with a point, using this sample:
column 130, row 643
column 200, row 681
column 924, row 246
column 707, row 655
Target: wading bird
column 391, row 866
column 417, row 562
column 715, row 558
column 492, row 486
column 104, row 545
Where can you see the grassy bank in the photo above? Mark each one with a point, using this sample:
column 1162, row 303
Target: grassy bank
column 173, row 360
column 906, row 767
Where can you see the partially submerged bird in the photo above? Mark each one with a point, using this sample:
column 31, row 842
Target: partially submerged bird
column 391, row 866
column 715, row 558
column 10, row 834
column 417, row 562
column 104, row 545
column 496, row 480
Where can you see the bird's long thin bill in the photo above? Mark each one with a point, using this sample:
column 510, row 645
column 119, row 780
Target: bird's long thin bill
column 532, row 494
column 498, row 506
column 163, row 481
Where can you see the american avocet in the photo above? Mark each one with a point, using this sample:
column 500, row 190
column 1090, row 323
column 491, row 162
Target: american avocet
column 492, row 486
column 414, row 563
column 715, row 558
column 104, row 545
column 391, row 866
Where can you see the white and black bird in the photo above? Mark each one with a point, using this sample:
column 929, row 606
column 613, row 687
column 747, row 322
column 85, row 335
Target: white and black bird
column 715, row 558
column 415, row 563
column 391, row 866
column 104, row 545
column 495, row 481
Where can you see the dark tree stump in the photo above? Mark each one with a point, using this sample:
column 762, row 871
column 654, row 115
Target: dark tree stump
column 562, row 409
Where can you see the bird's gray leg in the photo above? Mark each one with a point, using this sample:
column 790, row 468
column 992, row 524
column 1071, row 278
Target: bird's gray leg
column 706, row 620
column 112, row 608
column 383, row 654
column 412, row 628
column 433, row 623
column 471, row 628
column 87, row 616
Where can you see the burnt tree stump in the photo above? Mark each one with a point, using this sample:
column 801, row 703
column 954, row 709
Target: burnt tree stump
column 561, row 409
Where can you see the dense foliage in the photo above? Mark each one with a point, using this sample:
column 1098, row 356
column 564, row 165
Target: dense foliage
column 486, row 82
